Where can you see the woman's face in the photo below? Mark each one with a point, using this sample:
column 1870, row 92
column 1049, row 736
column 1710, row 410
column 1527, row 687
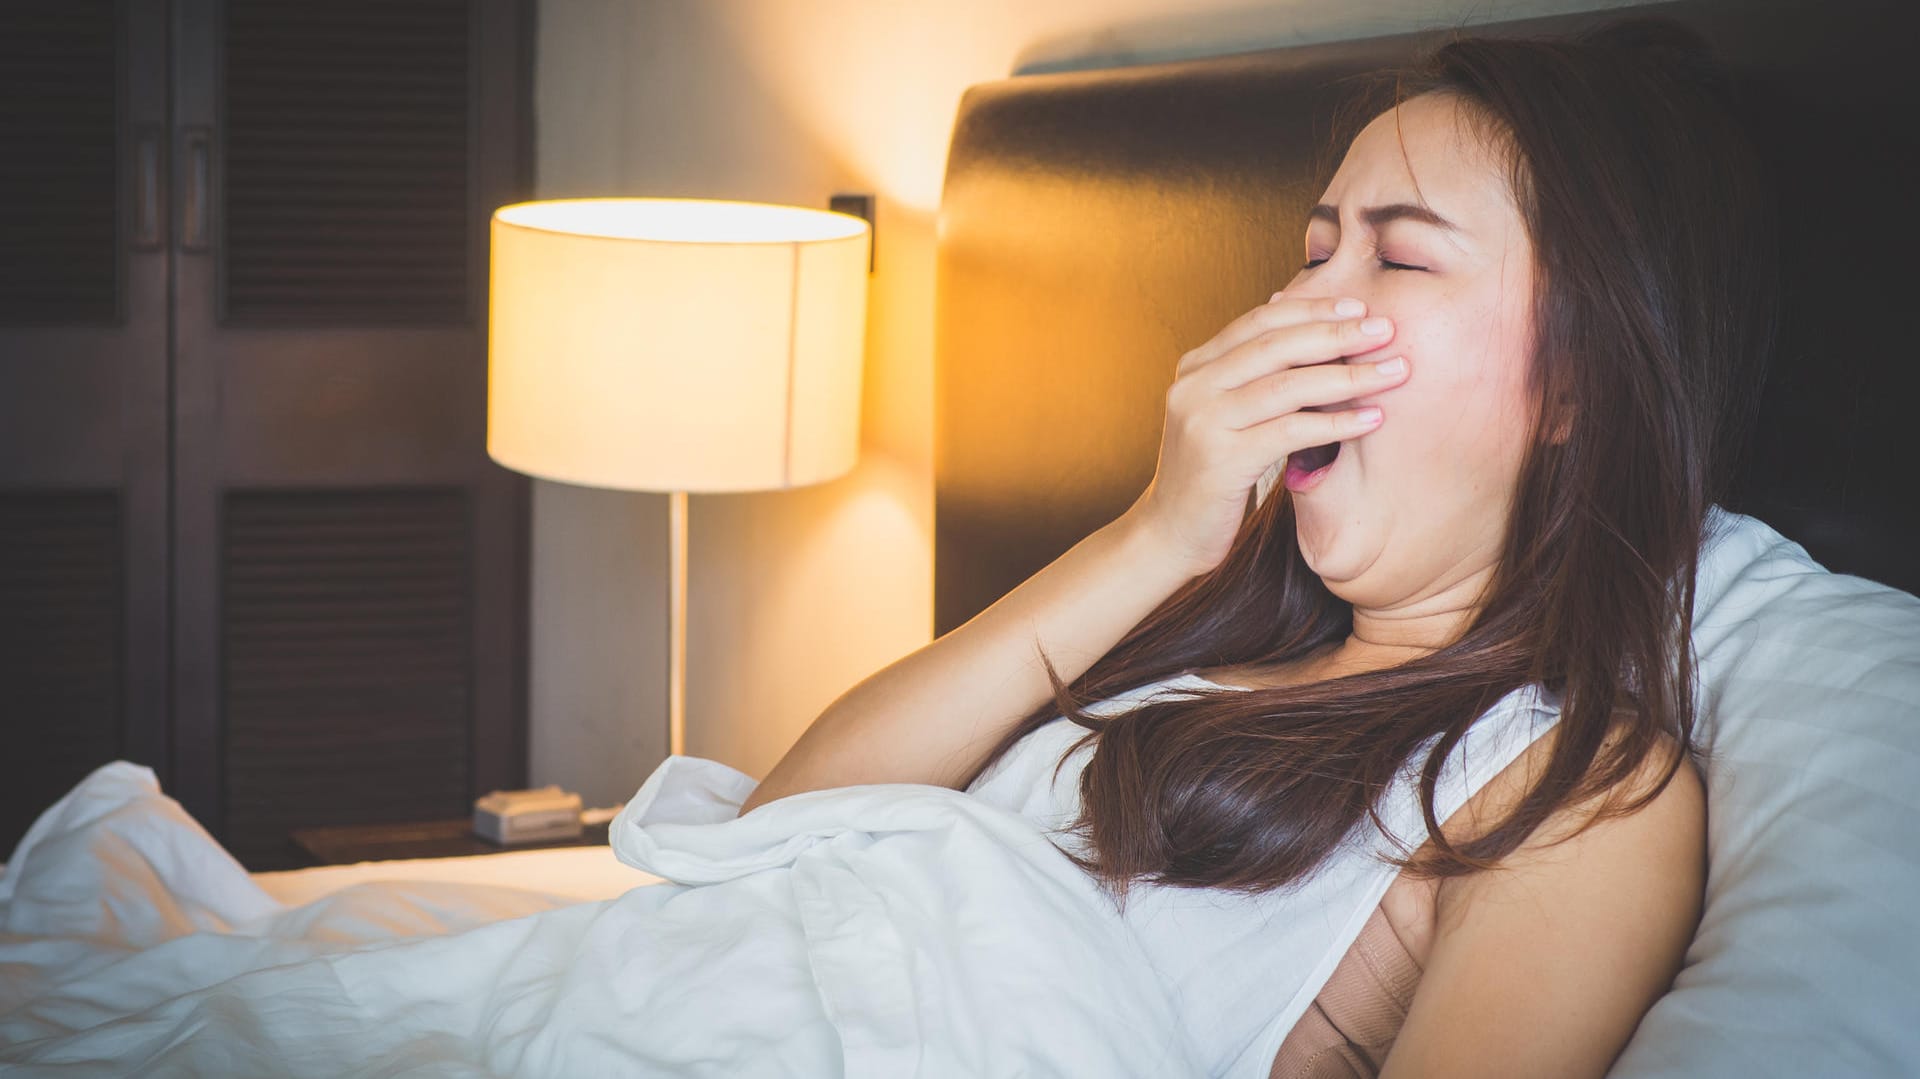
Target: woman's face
column 1417, row 509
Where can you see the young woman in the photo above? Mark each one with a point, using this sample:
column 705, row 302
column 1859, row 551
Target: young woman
column 1511, row 376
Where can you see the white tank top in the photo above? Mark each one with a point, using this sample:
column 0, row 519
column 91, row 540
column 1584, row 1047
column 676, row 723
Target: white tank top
column 1241, row 970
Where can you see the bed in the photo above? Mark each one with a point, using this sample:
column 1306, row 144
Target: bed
column 1094, row 224
column 572, row 873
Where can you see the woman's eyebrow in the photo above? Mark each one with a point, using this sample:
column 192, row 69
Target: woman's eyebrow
column 1376, row 216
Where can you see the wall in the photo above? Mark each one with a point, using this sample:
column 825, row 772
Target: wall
column 793, row 596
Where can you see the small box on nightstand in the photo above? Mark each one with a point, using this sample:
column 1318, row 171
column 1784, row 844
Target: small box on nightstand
column 527, row 816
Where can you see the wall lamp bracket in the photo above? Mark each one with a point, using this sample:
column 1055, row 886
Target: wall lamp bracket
column 859, row 206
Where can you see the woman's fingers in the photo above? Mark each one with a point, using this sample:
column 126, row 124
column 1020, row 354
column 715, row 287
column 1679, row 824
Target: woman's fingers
column 1282, row 435
column 1297, row 345
column 1239, row 404
column 1279, row 312
column 1292, row 389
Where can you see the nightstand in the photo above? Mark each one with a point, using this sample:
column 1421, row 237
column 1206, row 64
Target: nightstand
column 449, row 838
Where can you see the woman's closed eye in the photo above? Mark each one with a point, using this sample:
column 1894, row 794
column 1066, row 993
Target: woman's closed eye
column 1385, row 264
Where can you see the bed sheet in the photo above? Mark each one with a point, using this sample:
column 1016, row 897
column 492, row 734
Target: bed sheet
column 582, row 873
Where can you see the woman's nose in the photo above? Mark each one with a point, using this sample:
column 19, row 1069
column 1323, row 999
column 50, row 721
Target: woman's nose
column 1336, row 277
column 1342, row 277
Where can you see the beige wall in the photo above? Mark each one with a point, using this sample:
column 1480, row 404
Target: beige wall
column 794, row 596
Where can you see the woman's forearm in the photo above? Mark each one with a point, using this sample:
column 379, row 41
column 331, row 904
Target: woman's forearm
column 933, row 715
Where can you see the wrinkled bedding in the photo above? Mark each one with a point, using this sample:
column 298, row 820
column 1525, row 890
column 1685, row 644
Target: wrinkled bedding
column 878, row 930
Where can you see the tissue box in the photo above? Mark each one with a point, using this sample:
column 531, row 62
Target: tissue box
column 527, row 816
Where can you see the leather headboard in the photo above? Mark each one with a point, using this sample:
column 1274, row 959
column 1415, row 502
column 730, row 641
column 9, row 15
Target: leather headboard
column 1096, row 225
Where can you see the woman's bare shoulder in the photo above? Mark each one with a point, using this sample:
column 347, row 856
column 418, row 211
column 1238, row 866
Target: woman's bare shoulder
column 1550, row 960
column 1412, row 904
column 1684, row 794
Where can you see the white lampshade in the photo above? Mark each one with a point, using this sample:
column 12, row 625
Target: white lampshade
column 676, row 344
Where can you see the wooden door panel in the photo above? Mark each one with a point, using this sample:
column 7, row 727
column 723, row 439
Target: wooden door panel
column 346, row 628
column 352, row 407
column 330, row 382
column 346, row 180
column 83, row 392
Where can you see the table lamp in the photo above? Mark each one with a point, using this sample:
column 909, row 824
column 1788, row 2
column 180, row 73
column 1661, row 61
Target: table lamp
column 676, row 345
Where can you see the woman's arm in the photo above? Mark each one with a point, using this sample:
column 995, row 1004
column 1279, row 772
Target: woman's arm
column 1547, row 965
column 932, row 716
column 1238, row 403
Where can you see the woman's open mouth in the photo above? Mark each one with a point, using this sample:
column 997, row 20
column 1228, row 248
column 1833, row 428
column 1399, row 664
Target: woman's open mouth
column 1306, row 468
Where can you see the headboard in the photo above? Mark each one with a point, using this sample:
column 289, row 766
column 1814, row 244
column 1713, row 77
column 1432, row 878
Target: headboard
column 1095, row 225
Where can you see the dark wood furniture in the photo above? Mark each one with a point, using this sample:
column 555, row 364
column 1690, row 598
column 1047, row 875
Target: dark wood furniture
column 450, row 838
column 249, row 532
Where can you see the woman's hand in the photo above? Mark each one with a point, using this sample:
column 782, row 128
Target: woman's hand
column 1239, row 403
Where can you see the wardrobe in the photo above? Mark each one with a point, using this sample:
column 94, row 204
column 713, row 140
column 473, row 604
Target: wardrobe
column 249, row 534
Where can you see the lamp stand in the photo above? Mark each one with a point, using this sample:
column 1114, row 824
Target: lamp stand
column 677, row 622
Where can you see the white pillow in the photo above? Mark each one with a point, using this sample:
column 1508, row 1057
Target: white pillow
column 1807, row 960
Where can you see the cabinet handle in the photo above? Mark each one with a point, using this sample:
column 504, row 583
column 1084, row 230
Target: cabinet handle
column 146, row 189
column 196, row 144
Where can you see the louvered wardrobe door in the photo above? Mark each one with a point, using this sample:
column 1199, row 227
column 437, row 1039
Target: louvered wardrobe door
column 83, row 396
column 350, row 569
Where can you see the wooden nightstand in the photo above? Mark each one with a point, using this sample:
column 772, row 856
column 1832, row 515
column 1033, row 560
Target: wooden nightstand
column 450, row 838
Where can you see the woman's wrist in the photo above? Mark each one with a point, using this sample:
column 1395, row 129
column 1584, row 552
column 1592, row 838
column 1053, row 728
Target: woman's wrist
column 1146, row 543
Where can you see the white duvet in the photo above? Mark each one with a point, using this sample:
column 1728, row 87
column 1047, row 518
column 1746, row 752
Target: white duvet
column 880, row 930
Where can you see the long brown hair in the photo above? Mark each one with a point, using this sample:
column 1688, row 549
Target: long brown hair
column 1656, row 277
